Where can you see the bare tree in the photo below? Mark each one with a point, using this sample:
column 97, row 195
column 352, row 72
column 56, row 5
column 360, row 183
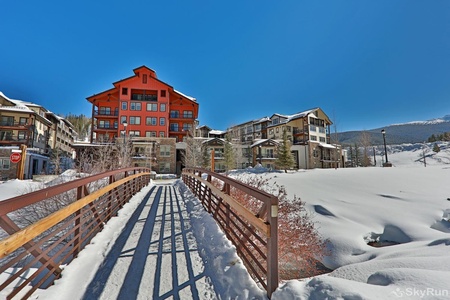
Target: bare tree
column 365, row 142
column 192, row 156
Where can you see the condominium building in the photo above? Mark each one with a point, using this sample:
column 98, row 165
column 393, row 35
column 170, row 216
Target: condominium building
column 309, row 134
column 34, row 132
column 147, row 112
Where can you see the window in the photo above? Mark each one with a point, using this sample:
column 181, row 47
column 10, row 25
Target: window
column 124, row 91
column 103, row 124
column 105, row 111
column 174, row 113
column 270, row 131
column 188, row 114
column 116, row 124
column 134, row 133
column 164, row 150
column 144, row 96
column 277, row 129
column 164, row 167
column 124, row 105
column 135, row 106
column 144, row 78
column 322, row 129
column 152, row 107
column 22, row 135
column 7, row 121
column 135, row 120
column 150, row 134
column 313, row 138
column 174, row 127
column 312, row 128
column 322, row 139
column 5, row 135
column 187, row 126
column 161, row 134
column 123, row 119
column 4, row 163
column 163, row 93
column 162, row 107
column 150, row 121
column 23, row 121
column 288, row 128
column 162, row 121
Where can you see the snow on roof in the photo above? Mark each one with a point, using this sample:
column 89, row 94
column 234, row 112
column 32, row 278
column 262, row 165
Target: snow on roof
column 262, row 141
column 189, row 97
column 18, row 105
column 217, row 132
column 324, row 145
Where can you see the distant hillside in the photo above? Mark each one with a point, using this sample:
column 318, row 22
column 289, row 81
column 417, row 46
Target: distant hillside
column 412, row 132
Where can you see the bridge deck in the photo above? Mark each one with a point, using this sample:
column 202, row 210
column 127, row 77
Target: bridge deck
column 156, row 255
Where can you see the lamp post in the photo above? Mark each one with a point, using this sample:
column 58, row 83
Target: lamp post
column 387, row 163
column 260, row 155
column 125, row 124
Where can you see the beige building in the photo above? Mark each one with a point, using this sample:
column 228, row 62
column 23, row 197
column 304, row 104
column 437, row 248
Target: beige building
column 26, row 124
column 309, row 134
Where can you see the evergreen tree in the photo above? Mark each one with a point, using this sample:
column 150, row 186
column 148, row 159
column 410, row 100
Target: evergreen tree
column 81, row 124
column 206, row 158
column 285, row 160
column 228, row 154
column 436, row 148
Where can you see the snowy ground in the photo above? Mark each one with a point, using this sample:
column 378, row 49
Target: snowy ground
column 408, row 205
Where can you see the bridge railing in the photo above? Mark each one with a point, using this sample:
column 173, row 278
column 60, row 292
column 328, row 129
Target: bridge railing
column 45, row 229
column 254, row 233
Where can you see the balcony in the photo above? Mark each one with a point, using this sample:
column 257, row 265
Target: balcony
column 14, row 125
column 297, row 131
column 106, row 114
column 175, row 116
column 267, row 156
column 108, row 128
column 12, row 139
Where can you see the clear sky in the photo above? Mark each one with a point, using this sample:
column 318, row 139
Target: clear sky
column 367, row 64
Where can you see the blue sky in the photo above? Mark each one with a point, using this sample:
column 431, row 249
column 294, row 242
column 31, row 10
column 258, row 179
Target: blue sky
column 367, row 64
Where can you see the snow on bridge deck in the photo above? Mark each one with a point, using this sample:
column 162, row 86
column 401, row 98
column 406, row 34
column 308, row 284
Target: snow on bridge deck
column 169, row 248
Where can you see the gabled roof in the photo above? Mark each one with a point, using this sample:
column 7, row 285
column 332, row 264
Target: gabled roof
column 211, row 140
column 203, row 126
column 188, row 97
column 136, row 73
column 217, row 132
column 16, row 105
column 264, row 141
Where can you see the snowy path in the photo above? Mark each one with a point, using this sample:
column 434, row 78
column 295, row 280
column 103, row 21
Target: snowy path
column 156, row 255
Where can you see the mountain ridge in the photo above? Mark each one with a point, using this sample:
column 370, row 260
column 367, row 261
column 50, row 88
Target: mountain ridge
column 410, row 132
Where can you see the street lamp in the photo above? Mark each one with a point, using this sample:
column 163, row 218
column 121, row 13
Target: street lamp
column 260, row 155
column 125, row 124
column 387, row 163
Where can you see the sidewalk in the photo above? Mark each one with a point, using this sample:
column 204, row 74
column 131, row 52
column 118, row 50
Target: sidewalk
column 156, row 255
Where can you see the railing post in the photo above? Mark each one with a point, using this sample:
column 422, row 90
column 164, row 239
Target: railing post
column 272, row 247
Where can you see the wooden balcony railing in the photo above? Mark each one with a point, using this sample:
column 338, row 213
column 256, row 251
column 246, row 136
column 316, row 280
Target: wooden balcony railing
column 255, row 235
column 46, row 229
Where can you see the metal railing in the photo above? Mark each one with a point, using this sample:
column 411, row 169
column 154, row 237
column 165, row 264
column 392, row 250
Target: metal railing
column 255, row 234
column 47, row 228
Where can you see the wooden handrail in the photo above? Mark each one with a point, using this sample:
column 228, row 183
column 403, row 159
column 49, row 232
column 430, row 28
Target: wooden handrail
column 56, row 239
column 18, row 239
column 255, row 235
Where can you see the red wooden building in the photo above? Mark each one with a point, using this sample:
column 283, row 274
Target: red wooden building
column 141, row 106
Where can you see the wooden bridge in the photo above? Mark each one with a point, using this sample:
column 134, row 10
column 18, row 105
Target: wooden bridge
column 32, row 250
